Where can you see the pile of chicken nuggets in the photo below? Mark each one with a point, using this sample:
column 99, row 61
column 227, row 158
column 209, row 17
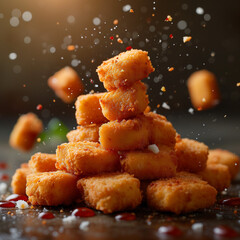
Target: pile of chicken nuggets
column 121, row 154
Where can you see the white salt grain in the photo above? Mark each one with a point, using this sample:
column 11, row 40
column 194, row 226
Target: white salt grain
column 3, row 188
column 198, row 227
column 166, row 106
column 154, row 148
column 22, row 204
column 69, row 219
column 84, row 225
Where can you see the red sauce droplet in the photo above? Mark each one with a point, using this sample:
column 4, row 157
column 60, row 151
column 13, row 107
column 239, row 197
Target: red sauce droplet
column 4, row 177
column 225, row 231
column 46, row 215
column 15, row 197
column 39, row 107
column 128, row 48
column 170, row 230
column 231, row 201
column 83, row 212
column 7, row 204
column 3, row 165
column 111, row 37
column 171, row 36
column 125, row 217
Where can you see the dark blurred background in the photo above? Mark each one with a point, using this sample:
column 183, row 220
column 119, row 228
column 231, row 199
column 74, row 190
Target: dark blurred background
column 35, row 36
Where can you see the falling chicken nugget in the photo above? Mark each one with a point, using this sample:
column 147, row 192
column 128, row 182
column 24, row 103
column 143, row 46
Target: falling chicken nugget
column 88, row 109
column 66, row 84
column 125, row 69
column 124, row 103
column 86, row 158
column 52, row 188
column 203, row 90
column 192, row 155
column 111, row 192
column 84, row 133
column 25, row 132
column 184, row 193
column 146, row 165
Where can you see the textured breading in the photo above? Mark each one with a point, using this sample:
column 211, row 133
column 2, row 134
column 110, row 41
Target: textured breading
column 124, row 103
column 231, row 160
column 184, row 193
column 52, row 188
column 217, row 175
column 86, row 158
column 84, row 133
column 66, row 84
column 43, row 162
column 111, row 192
column 88, row 109
column 19, row 179
column 161, row 130
column 147, row 165
column 192, row 155
column 25, row 132
column 203, row 90
column 125, row 69
column 125, row 135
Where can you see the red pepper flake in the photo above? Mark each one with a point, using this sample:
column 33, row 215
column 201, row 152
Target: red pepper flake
column 112, row 37
column 168, row 18
column 39, row 107
column 115, row 22
column 170, row 69
column 171, row 36
column 91, row 81
column 119, row 40
column 238, row 84
column 128, row 48
column 131, row 10
column 70, row 47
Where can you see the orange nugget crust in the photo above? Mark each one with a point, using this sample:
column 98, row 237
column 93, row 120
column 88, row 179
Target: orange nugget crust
column 88, row 109
column 86, row 158
column 125, row 135
column 111, row 192
column 25, row 132
column 84, row 133
column 192, row 155
column 43, row 162
column 19, row 180
column 124, row 103
column 125, row 69
column 146, row 165
column 203, row 90
column 52, row 188
column 217, row 175
column 66, row 84
column 184, row 193
column 231, row 160
column 161, row 130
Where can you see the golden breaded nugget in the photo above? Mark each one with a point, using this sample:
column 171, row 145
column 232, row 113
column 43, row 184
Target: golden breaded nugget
column 66, row 84
column 19, row 180
column 86, row 158
column 146, row 165
column 25, row 132
column 111, row 192
column 124, row 103
column 184, row 193
column 203, row 90
column 231, row 160
column 125, row 135
column 84, row 133
column 161, row 130
column 192, row 155
column 43, row 162
column 217, row 175
column 88, row 109
column 125, row 69
column 52, row 188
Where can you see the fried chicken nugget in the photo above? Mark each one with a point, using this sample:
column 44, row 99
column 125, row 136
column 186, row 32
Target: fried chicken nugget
column 43, row 162
column 19, row 179
column 125, row 135
column 184, row 193
column 217, row 175
column 88, row 109
column 161, row 130
column 66, row 84
column 231, row 160
column 86, row 158
column 125, row 69
column 146, row 165
column 52, row 188
column 124, row 103
column 192, row 155
column 84, row 133
column 111, row 192
column 25, row 132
